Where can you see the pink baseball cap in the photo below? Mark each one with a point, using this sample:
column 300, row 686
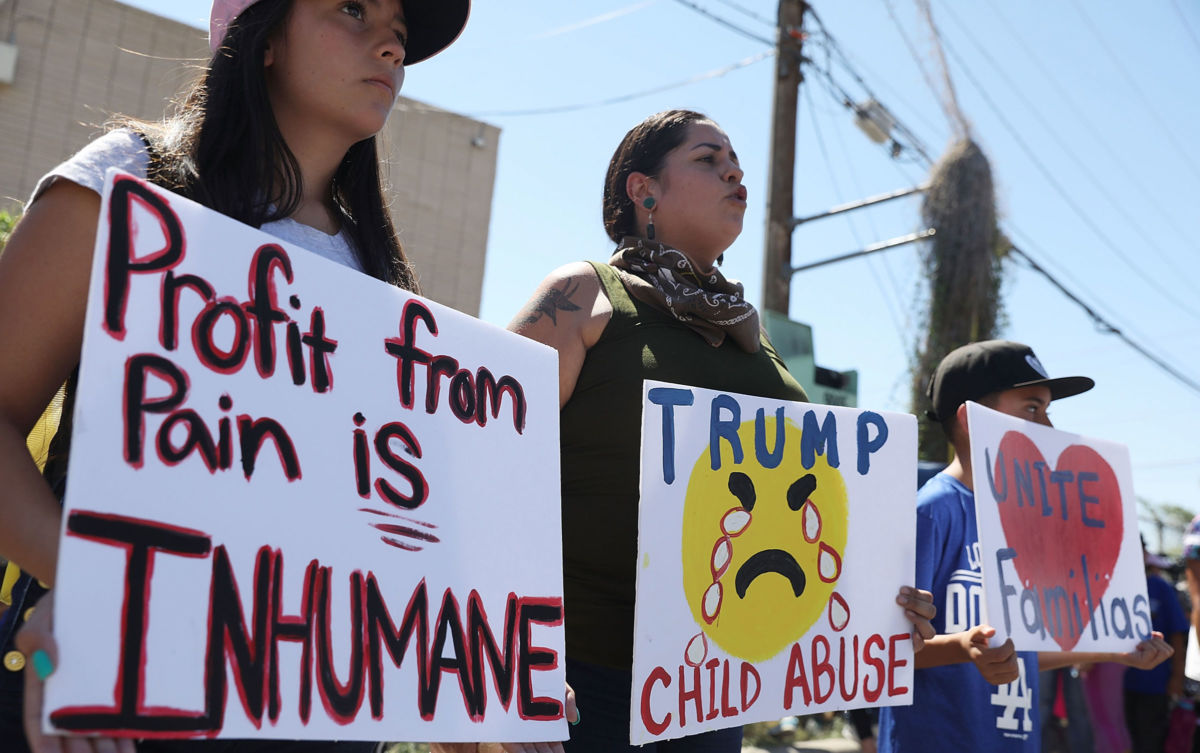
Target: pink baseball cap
column 432, row 24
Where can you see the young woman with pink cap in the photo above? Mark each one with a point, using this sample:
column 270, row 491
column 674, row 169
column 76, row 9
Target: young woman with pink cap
column 278, row 132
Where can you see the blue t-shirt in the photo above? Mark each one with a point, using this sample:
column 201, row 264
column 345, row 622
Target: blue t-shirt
column 1167, row 617
column 954, row 708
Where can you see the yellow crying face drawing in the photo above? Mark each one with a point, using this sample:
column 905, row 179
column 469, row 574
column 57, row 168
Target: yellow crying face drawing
column 762, row 547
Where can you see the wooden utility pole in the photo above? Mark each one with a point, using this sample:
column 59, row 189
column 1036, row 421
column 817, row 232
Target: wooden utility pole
column 782, row 171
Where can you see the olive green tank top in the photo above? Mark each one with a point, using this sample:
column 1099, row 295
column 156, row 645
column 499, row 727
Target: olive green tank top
column 601, row 451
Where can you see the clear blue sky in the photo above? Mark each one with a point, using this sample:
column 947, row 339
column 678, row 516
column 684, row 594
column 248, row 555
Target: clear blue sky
column 1085, row 95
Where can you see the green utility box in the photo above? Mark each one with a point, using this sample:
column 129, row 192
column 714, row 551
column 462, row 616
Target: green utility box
column 794, row 343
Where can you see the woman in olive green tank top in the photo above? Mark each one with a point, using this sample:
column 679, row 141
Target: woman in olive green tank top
column 659, row 309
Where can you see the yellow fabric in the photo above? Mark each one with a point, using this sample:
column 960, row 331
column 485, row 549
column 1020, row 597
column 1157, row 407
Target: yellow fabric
column 11, row 573
column 38, row 440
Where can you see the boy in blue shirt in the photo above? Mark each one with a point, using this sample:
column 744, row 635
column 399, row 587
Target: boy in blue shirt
column 969, row 695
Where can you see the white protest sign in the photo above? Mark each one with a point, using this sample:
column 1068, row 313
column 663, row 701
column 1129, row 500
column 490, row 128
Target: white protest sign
column 773, row 538
column 301, row 503
column 1062, row 566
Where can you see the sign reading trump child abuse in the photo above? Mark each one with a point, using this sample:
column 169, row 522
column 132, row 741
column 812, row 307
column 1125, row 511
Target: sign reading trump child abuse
column 773, row 538
column 302, row 503
column 1062, row 567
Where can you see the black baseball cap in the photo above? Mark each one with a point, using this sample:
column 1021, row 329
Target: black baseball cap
column 979, row 369
column 432, row 26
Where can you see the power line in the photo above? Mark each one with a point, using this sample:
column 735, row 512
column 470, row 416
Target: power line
column 747, row 12
column 1101, row 321
column 849, row 220
column 1066, row 148
column 912, row 51
column 901, row 135
column 851, row 62
column 715, row 73
column 833, row 48
column 949, row 100
column 1133, row 85
column 1105, row 325
column 732, row 27
column 1060, row 189
column 1186, row 24
column 1064, row 272
column 912, row 137
column 1114, row 155
column 858, row 190
column 883, row 258
column 598, row 19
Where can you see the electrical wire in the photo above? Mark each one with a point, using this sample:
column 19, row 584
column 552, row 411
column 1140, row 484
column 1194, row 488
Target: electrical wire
column 824, row 74
column 830, row 44
column 912, row 51
column 856, row 184
column 1137, row 90
column 1061, row 190
column 1186, row 24
column 894, row 96
column 840, row 93
column 1102, row 322
column 559, row 109
column 747, row 12
column 731, row 26
column 902, row 381
column 820, row 138
column 881, row 259
column 1066, row 149
column 1065, row 275
column 903, row 143
column 599, row 19
column 1113, row 155
column 1104, row 325
column 949, row 100
column 833, row 49
column 1025, row 239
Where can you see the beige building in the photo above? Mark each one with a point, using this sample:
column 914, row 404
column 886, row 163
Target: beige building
column 66, row 65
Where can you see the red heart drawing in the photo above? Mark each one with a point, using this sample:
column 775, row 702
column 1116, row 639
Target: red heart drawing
column 1059, row 521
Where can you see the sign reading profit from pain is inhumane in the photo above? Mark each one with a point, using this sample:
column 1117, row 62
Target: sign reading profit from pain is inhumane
column 295, row 497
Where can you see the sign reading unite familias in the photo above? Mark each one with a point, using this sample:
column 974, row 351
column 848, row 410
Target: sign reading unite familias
column 773, row 538
column 302, row 503
column 1062, row 566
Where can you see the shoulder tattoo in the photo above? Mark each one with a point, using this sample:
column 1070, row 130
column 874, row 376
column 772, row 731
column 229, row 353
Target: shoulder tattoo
column 552, row 301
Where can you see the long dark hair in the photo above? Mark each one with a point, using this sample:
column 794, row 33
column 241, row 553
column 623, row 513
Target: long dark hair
column 643, row 150
column 224, row 149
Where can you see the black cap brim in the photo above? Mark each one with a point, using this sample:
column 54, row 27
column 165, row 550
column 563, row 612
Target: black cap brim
column 432, row 26
column 1061, row 387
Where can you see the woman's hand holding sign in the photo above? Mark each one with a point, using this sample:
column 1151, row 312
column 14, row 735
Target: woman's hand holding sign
column 37, row 642
column 570, row 710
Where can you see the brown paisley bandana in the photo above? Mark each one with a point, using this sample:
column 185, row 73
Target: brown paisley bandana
column 705, row 301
